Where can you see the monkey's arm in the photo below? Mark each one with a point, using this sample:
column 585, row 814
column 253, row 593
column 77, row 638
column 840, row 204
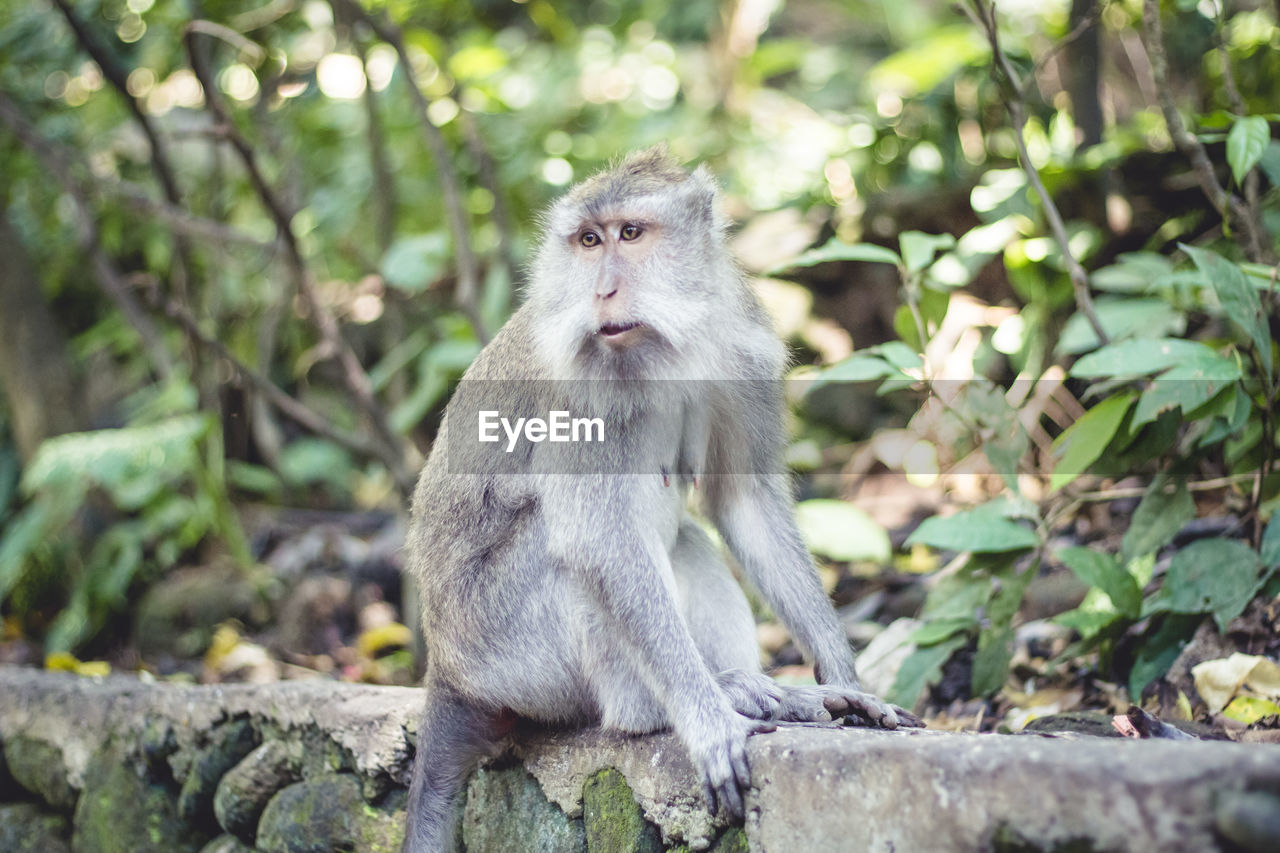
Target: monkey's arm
column 622, row 565
column 754, row 514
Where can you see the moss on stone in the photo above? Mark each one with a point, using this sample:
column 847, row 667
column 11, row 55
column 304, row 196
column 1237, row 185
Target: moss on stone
column 120, row 812
column 612, row 818
column 38, row 766
column 328, row 813
column 507, row 812
column 227, row 746
column 26, row 828
column 734, row 840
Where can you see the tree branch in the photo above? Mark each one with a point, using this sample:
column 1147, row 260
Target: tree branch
column 353, row 373
column 1013, row 93
column 1227, row 205
column 468, row 288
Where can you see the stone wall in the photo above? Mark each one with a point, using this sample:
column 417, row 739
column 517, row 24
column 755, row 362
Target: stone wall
column 124, row 765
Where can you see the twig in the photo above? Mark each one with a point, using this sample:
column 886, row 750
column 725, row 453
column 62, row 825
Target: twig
column 468, row 287
column 1225, row 203
column 1013, row 92
column 1250, row 187
column 289, row 406
column 353, row 374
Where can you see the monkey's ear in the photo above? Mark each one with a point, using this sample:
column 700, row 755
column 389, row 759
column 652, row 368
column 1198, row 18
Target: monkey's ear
column 701, row 191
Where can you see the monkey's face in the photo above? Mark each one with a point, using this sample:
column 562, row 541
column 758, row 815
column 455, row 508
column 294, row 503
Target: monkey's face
column 629, row 285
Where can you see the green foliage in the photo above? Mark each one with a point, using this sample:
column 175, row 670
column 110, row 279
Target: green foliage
column 155, row 484
column 840, row 531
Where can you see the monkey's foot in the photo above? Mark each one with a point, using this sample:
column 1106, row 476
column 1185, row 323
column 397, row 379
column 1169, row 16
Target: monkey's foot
column 718, row 748
column 825, row 702
column 752, row 694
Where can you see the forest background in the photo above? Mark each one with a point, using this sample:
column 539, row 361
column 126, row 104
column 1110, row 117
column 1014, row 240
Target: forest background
column 1024, row 254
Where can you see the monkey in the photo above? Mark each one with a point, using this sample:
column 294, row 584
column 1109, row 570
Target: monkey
column 567, row 583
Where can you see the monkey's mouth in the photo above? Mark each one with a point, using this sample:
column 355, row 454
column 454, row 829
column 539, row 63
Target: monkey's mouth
column 613, row 330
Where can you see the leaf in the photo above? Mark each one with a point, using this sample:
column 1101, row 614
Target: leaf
column 937, row 630
column 414, row 262
column 1159, row 650
column 918, row 248
column 1247, row 140
column 1165, row 509
column 1240, row 301
column 836, row 249
column 991, row 663
column 1120, row 319
column 973, row 530
column 1140, row 357
column 922, row 668
column 1084, row 441
column 1092, row 615
column 929, row 61
column 1185, row 387
column 1104, row 572
column 1218, row 576
column 1270, row 548
column 960, row 596
column 839, row 530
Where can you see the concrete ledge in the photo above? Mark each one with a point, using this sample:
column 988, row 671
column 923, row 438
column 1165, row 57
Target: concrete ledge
column 301, row 766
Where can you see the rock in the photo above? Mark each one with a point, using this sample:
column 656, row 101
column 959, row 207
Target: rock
column 1250, row 819
column 226, row 844
column 507, row 812
column 120, row 812
column 612, row 817
column 228, row 745
column 38, row 766
column 178, row 614
column 246, row 789
column 26, row 828
column 329, row 813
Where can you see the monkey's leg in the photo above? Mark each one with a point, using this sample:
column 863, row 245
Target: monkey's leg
column 452, row 738
column 720, row 621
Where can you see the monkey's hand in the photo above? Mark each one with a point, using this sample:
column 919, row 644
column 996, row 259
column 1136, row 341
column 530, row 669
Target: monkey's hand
column 718, row 748
column 822, row 703
column 752, row 694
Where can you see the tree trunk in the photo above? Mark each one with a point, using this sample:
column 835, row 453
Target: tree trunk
column 35, row 372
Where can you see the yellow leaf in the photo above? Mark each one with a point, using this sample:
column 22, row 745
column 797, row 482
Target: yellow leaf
column 225, row 639
column 1219, row 681
column 61, row 662
column 1250, row 709
column 375, row 640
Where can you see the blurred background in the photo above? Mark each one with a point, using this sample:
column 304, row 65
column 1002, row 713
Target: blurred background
column 1023, row 255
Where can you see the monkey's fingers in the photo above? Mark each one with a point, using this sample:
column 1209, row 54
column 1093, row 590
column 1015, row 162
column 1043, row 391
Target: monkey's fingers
column 863, row 706
column 907, row 719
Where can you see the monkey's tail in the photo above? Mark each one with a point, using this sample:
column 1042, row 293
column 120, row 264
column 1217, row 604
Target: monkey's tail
column 452, row 738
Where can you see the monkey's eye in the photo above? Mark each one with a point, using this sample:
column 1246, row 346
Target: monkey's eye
column 589, row 239
column 630, row 232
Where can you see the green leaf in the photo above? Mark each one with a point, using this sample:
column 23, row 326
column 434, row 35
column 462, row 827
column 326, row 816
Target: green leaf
column 1218, row 576
column 1103, row 572
column 1183, row 386
column 960, row 596
column 836, row 249
column 929, row 61
column 918, row 248
column 1270, row 549
column 991, row 663
column 1120, row 319
column 973, row 530
column 839, row 530
column 1240, row 301
column 1247, row 140
column 936, row 630
column 1086, row 439
column 1093, row 614
column 1159, row 650
column 1165, row 509
column 414, row 262
column 1133, row 358
column 922, row 668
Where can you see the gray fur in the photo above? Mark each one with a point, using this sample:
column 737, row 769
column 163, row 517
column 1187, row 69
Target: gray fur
column 593, row 598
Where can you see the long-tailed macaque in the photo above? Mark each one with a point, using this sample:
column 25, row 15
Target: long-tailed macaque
column 565, row 582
